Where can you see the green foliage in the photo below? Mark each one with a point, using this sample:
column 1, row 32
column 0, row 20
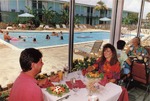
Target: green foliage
column 48, row 15
column 148, row 16
column 100, row 6
column 66, row 6
column 132, row 18
column 64, row 17
column 82, row 64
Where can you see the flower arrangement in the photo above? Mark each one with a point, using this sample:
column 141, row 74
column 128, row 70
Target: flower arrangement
column 83, row 64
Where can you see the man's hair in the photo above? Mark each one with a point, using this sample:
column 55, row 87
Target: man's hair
column 29, row 56
column 120, row 44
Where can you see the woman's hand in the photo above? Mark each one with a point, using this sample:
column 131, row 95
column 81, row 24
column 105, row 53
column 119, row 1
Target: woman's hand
column 112, row 80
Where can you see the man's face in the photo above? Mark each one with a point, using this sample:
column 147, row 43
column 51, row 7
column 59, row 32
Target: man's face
column 38, row 66
column 135, row 42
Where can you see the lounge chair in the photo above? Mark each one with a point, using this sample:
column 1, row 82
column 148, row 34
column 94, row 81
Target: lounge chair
column 64, row 26
column 81, row 27
column 84, row 26
column 76, row 26
column 90, row 51
column 47, row 27
column 58, row 26
column 9, row 28
column 41, row 27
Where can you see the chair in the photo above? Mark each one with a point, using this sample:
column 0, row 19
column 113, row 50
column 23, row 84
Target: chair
column 58, row 26
column 41, row 27
column 84, row 26
column 88, row 51
column 64, row 26
column 140, row 74
column 9, row 28
column 81, row 27
column 76, row 26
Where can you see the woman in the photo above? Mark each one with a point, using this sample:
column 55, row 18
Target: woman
column 108, row 63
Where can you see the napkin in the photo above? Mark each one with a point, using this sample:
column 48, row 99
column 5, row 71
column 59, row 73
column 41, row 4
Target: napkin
column 104, row 81
column 78, row 83
column 47, row 84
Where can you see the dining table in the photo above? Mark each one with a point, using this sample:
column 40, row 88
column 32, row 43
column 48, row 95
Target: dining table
column 109, row 92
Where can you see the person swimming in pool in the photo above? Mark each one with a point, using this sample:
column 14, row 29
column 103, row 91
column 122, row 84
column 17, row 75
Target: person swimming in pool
column 47, row 37
column 34, row 39
column 7, row 38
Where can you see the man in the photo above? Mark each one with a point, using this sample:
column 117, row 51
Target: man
column 25, row 87
column 136, row 49
column 122, row 57
column 7, row 38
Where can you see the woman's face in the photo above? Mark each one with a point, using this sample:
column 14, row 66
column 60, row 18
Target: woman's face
column 108, row 53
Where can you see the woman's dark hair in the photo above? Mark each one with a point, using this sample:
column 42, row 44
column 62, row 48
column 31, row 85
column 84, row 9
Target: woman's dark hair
column 29, row 56
column 114, row 58
column 120, row 44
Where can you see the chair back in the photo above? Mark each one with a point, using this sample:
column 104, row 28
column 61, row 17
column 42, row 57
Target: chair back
column 57, row 26
column 96, row 46
column 64, row 26
column 140, row 73
column 148, row 49
column 76, row 26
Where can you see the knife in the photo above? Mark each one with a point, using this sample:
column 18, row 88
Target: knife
column 65, row 97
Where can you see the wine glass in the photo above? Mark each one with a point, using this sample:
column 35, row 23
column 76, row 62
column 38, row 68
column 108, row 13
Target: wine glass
column 75, row 87
column 78, row 73
column 66, row 70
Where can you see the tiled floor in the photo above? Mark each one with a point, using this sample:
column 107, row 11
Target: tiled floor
column 137, row 93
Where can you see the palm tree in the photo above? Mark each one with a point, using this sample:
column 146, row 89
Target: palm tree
column 66, row 7
column 47, row 15
column 101, row 7
column 148, row 16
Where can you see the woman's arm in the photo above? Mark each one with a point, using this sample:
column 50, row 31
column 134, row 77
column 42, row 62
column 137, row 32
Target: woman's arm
column 94, row 66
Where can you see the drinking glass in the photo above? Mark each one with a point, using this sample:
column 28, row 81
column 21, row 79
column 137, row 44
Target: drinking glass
column 78, row 73
column 66, row 70
column 75, row 87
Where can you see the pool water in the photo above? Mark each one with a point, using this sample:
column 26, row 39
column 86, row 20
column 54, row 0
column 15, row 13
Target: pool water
column 54, row 40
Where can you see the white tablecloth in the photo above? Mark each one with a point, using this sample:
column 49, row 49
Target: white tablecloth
column 110, row 92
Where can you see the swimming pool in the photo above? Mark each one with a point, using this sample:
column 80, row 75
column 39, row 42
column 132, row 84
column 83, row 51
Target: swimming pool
column 54, row 40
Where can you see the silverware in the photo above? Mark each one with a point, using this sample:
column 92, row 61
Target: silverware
column 65, row 97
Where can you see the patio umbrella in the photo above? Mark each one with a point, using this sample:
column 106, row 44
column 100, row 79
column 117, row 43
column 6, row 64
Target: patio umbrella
column 26, row 15
column 105, row 19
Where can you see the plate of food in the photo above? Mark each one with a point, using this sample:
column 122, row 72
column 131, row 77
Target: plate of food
column 94, row 75
column 58, row 90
